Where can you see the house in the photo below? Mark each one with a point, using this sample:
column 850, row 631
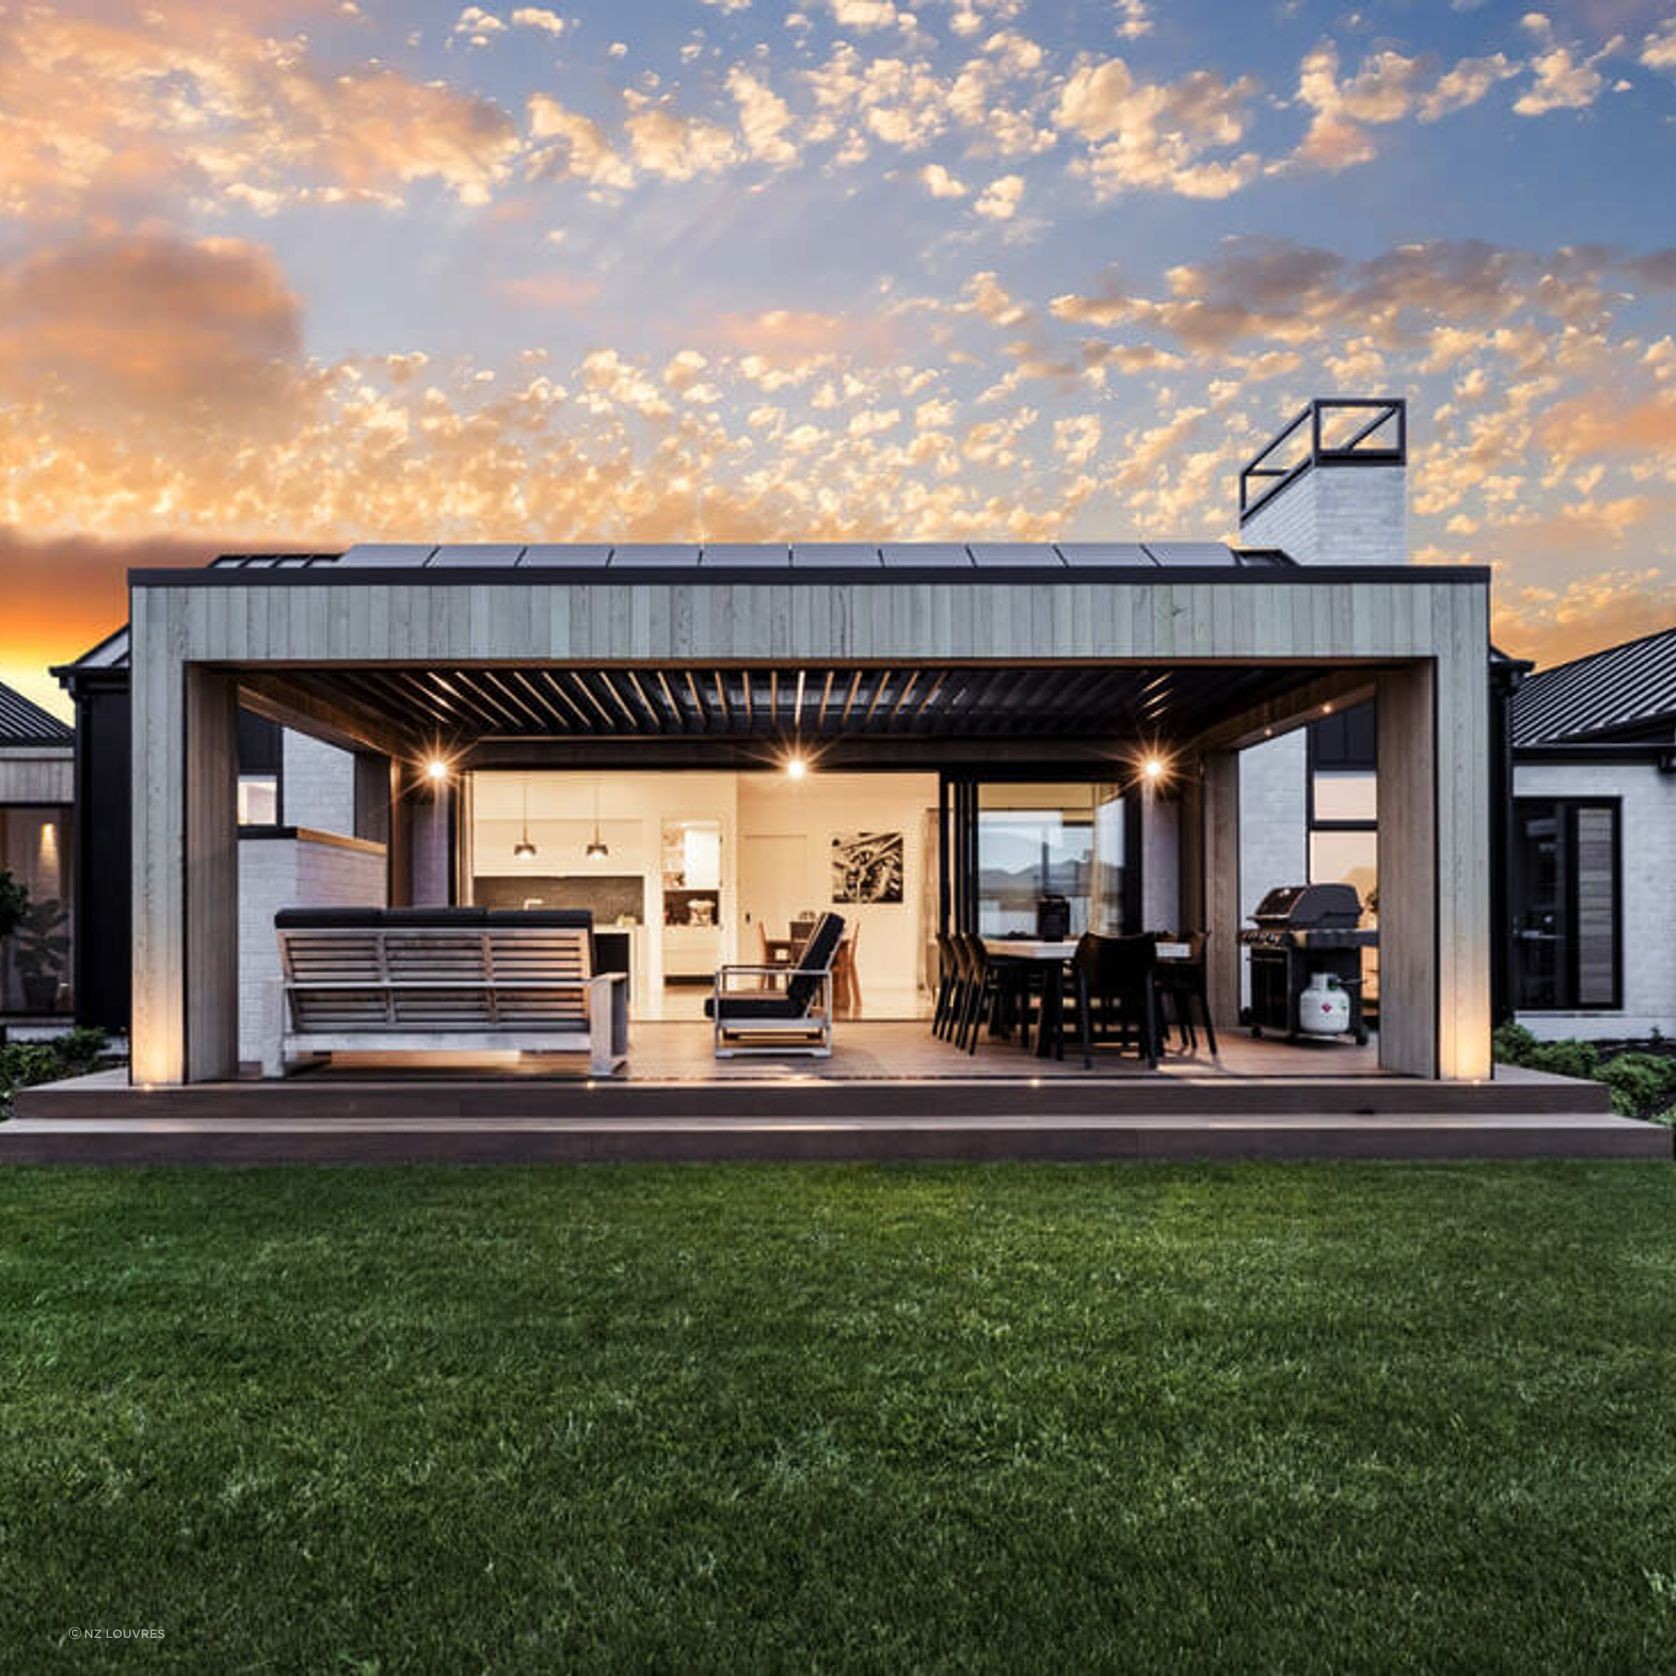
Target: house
column 37, row 790
column 702, row 742
column 1592, row 844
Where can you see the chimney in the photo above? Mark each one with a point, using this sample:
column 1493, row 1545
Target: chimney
column 1332, row 487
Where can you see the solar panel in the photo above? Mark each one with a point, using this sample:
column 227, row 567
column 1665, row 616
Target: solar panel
column 478, row 555
column 747, row 555
column 1015, row 553
column 834, row 555
column 1105, row 553
column 1171, row 553
column 387, row 555
column 652, row 555
column 925, row 555
column 562, row 555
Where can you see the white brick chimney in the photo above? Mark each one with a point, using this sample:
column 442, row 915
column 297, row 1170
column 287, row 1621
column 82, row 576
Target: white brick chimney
column 1332, row 487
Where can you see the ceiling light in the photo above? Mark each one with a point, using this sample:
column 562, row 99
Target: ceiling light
column 796, row 768
column 1155, row 768
column 436, row 769
column 524, row 849
column 597, row 849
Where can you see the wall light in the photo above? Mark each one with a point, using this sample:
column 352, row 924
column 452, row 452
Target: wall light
column 796, row 768
column 436, row 769
column 1154, row 769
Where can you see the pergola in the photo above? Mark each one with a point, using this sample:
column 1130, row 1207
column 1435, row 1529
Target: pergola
column 945, row 657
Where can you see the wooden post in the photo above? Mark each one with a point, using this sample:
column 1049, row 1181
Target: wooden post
column 1220, row 825
column 1408, row 895
column 212, row 876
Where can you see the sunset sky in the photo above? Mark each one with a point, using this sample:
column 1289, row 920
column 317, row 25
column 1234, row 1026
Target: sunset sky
column 278, row 275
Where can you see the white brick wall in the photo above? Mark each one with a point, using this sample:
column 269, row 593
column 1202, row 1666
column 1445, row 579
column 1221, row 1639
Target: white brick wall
column 1160, row 864
column 319, row 785
column 1337, row 515
column 1274, row 839
column 309, row 871
column 1648, row 931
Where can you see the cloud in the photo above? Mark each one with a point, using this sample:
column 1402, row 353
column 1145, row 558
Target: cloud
column 1144, row 136
column 764, row 119
column 1563, row 81
column 1658, row 50
column 580, row 148
column 551, row 290
column 168, row 330
column 538, row 17
column 940, row 183
column 999, row 200
column 676, row 147
column 1588, row 614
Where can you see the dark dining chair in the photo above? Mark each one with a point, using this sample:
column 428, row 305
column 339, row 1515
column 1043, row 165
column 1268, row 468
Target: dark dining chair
column 1182, row 984
column 948, row 985
column 1116, row 995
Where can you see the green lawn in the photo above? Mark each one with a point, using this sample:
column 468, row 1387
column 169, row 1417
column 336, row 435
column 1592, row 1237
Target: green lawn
column 1019, row 1418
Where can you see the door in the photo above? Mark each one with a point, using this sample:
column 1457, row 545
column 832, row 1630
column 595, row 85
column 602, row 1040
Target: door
column 773, row 887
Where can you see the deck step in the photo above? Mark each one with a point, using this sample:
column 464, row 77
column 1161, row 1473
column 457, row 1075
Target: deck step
column 691, row 1139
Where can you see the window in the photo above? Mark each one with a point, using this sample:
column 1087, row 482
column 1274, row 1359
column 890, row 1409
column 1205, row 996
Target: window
column 1060, row 839
column 258, row 800
column 1566, row 905
column 1344, row 802
column 35, row 959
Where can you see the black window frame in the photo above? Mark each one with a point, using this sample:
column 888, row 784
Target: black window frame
column 1568, row 808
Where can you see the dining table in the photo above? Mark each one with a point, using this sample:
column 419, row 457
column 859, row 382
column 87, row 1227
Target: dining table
column 1048, row 958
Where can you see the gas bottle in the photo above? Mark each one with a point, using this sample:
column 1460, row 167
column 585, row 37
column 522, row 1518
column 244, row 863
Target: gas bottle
column 1324, row 1007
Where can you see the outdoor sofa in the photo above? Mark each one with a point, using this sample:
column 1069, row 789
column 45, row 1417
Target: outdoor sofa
column 416, row 980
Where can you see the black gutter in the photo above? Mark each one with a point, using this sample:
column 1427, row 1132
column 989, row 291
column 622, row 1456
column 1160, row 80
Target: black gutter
column 963, row 576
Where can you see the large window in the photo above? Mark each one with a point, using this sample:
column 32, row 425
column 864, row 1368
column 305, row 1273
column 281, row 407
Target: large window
column 35, row 959
column 1058, row 839
column 1344, row 803
column 1566, row 905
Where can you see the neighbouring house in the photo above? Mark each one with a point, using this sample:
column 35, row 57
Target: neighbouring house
column 704, row 743
column 1592, row 844
column 37, row 791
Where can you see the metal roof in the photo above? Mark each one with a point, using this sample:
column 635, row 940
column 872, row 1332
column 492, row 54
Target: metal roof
column 1626, row 693
column 23, row 722
column 755, row 557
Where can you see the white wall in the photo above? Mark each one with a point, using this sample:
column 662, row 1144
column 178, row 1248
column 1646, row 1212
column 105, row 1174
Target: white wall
column 312, row 870
column 1337, row 515
column 1647, row 836
column 318, row 784
column 892, row 953
column 1274, row 833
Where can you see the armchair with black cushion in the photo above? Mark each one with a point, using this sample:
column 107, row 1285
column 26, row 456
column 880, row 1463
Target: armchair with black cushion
column 747, row 1019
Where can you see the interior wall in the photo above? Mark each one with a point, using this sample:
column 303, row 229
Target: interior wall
column 893, row 953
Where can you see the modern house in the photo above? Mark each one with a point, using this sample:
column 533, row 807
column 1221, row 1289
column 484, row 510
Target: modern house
column 37, row 791
column 1592, row 950
column 701, row 743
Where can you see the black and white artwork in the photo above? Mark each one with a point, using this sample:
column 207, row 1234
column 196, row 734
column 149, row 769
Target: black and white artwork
column 867, row 867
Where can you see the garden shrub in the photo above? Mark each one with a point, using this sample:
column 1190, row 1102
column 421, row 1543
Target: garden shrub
column 1513, row 1044
column 1566, row 1059
column 23, row 1064
column 1642, row 1084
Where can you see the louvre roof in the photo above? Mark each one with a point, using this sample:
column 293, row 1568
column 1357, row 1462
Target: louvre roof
column 1626, row 693
column 23, row 722
column 754, row 557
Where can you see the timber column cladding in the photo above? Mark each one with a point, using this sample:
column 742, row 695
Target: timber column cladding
column 186, row 951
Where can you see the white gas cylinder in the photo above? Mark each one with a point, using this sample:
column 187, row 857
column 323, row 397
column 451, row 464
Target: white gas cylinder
column 1324, row 1007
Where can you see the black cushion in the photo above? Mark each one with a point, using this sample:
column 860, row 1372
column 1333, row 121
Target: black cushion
column 817, row 957
column 543, row 918
column 456, row 919
column 332, row 919
column 737, row 1009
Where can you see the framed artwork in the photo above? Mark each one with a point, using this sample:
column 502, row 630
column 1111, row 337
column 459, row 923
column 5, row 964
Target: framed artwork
column 867, row 866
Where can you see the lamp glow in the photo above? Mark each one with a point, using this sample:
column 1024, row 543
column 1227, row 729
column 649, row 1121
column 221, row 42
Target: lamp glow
column 1154, row 769
column 436, row 769
column 523, row 850
column 796, row 768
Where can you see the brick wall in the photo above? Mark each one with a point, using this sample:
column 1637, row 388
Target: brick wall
column 1337, row 515
column 1647, row 931
column 319, row 785
column 1274, row 837
column 308, row 871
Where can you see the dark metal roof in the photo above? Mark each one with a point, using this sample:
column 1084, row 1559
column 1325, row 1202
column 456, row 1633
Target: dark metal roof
column 23, row 722
column 1624, row 694
column 731, row 557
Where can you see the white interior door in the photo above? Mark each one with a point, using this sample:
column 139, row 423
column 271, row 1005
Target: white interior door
column 773, row 886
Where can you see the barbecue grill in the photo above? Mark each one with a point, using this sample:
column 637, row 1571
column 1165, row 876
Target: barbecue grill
column 1298, row 930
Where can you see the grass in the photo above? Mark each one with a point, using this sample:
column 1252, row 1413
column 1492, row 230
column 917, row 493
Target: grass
column 1016, row 1418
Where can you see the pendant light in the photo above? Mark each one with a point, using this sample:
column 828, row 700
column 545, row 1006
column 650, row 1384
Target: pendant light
column 598, row 850
column 524, row 849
